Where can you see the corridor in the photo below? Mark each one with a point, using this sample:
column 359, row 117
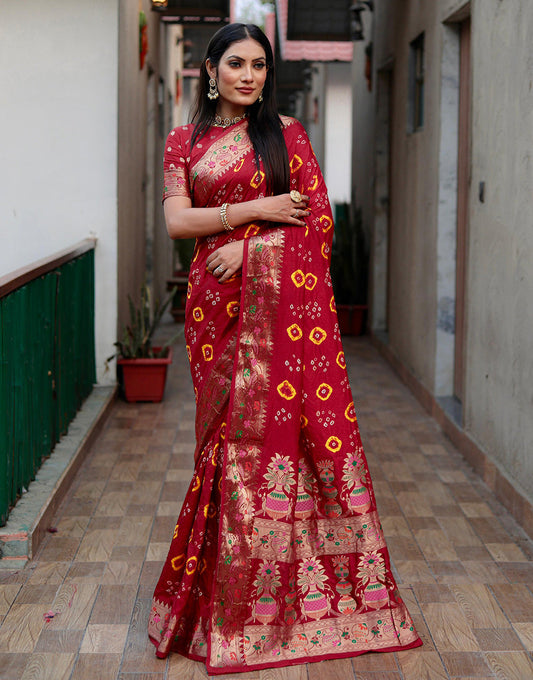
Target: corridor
column 79, row 610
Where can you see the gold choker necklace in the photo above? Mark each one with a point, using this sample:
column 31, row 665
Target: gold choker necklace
column 226, row 122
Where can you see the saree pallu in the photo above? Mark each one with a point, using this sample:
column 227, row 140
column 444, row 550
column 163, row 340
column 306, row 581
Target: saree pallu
column 278, row 556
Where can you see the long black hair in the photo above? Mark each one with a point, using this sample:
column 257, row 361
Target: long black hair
column 264, row 123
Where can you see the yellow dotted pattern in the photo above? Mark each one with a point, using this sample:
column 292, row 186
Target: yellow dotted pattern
column 324, row 391
column 286, row 390
column 296, row 163
column 318, row 335
column 350, row 412
column 257, row 179
column 207, row 351
column 333, row 444
column 295, row 332
column 232, row 308
column 298, row 278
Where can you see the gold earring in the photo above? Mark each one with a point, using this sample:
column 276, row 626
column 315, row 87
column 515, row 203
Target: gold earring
column 213, row 90
column 260, row 98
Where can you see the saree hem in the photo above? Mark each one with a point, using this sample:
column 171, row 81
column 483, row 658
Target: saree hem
column 217, row 670
column 213, row 670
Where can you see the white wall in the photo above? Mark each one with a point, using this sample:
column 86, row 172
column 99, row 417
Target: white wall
column 58, row 140
column 338, row 132
column 498, row 394
column 364, row 102
column 499, row 374
column 315, row 122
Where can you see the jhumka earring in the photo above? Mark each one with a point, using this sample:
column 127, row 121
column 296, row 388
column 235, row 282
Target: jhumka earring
column 213, row 90
column 260, row 98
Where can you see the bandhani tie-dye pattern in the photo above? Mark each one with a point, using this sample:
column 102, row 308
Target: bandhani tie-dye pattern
column 278, row 556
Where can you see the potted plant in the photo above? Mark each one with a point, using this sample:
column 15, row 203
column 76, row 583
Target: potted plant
column 349, row 270
column 143, row 367
column 183, row 252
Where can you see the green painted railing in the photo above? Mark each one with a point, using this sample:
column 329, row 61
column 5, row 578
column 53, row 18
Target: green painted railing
column 47, row 360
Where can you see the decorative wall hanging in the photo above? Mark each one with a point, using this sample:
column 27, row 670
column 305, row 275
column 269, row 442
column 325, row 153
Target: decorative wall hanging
column 143, row 38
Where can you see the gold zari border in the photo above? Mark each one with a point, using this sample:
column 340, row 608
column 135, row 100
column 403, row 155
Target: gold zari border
column 276, row 540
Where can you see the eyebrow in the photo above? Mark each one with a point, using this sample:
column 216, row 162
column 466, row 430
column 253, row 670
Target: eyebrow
column 236, row 56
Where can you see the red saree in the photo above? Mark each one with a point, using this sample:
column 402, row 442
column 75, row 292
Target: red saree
column 278, row 556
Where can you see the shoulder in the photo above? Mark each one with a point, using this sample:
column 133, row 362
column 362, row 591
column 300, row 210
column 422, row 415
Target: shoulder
column 292, row 128
column 180, row 135
column 291, row 123
column 295, row 135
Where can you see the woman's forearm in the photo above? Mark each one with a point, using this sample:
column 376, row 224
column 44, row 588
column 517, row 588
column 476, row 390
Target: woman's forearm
column 197, row 222
column 184, row 221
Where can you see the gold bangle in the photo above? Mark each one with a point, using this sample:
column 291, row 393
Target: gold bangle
column 224, row 217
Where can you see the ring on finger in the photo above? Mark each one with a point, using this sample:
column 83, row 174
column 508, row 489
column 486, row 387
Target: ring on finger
column 296, row 196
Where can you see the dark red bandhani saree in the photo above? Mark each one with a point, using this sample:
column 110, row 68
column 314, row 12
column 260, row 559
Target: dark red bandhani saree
column 278, row 556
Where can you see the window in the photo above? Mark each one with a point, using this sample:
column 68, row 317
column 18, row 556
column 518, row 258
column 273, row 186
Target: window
column 416, row 84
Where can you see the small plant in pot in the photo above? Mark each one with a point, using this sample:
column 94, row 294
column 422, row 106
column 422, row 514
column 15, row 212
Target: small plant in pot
column 349, row 271
column 183, row 252
column 143, row 367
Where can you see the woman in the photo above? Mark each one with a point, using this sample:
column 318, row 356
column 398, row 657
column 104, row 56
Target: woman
column 278, row 556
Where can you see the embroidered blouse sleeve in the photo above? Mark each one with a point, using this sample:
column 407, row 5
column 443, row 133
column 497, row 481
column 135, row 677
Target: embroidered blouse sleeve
column 176, row 164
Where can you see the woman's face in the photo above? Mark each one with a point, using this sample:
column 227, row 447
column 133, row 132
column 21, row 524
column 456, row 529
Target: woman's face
column 240, row 76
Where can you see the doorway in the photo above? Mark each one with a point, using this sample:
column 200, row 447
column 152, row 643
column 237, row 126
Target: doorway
column 463, row 191
column 380, row 261
column 452, row 220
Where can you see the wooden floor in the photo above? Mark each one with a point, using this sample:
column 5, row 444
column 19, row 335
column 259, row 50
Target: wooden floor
column 79, row 610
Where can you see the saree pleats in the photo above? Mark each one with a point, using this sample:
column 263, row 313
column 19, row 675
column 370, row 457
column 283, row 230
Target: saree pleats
column 182, row 616
column 278, row 556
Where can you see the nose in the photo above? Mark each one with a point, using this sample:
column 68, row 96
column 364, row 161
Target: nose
column 247, row 74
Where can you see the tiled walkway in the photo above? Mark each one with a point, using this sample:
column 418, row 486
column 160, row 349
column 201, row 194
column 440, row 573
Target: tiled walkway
column 79, row 611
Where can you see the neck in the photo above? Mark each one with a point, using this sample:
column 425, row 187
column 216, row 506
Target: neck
column 231, row 112
column 226, row 122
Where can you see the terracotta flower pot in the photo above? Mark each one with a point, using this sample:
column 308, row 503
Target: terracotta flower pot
column 352, row 319
column 144, row 379
column 180, row 282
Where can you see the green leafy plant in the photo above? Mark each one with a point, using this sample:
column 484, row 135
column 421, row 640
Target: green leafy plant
column 184, row 250
column 137, row 336
column 349, row 260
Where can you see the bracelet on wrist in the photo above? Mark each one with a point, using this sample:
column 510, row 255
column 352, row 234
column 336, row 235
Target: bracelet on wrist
column 224, row 217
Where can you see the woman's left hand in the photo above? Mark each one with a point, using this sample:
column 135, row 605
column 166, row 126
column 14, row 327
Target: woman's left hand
column 225, row 261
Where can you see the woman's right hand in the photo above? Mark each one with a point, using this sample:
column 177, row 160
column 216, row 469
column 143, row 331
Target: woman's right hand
column 282, row 209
